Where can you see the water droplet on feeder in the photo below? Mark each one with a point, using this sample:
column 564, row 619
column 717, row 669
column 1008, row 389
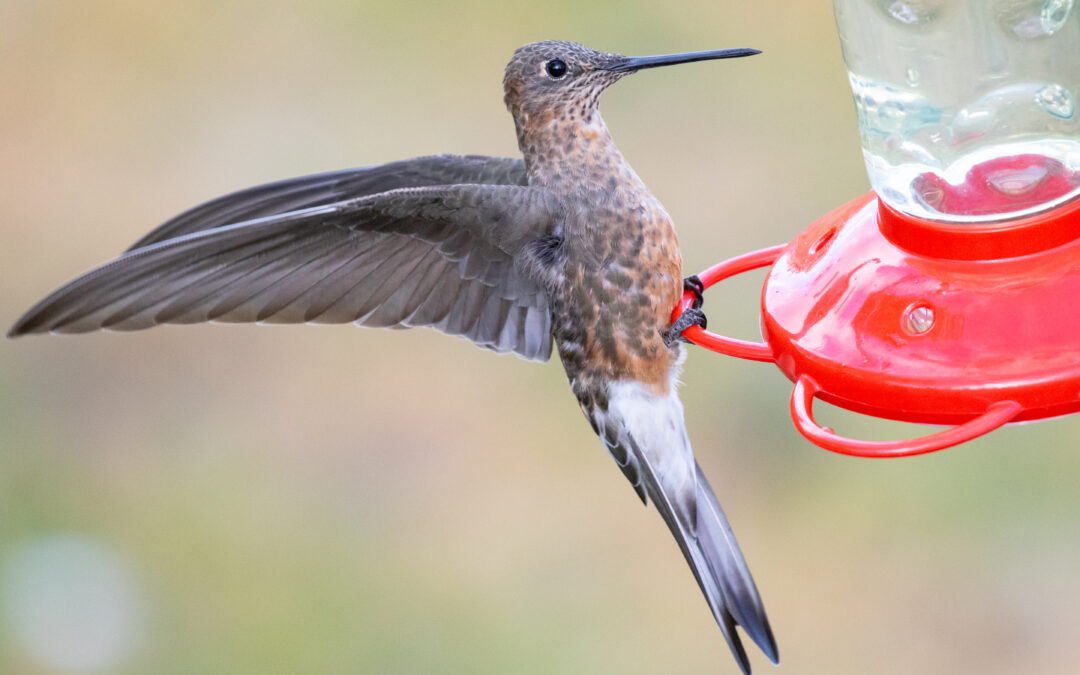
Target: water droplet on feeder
column 1053, row 15
column 1056, row 100
column 912, row 12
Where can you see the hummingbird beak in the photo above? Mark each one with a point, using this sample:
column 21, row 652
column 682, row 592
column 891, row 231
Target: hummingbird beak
column 630, row 64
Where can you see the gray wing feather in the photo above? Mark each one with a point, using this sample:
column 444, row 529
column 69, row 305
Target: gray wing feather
column 328, row 188
column 436, row 256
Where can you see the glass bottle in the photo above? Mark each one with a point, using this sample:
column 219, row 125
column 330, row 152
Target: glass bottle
column 967, row 108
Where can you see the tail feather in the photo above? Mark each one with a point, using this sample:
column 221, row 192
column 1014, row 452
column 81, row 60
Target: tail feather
column 729, row 567
column 718, row 566
column 647, row 432
column 703, row 571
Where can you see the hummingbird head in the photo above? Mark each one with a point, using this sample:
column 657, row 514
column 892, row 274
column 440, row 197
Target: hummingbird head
column 551, row 79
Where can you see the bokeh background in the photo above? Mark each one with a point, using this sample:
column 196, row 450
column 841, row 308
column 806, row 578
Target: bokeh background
column 240, row 499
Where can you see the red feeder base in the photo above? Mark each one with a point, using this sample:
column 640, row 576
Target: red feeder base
column 921, row 321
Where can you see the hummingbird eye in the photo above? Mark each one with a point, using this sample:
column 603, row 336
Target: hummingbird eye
column 555, row 68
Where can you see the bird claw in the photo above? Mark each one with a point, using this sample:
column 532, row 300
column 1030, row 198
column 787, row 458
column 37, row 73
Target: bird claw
column 693, row 316
column 693, row 284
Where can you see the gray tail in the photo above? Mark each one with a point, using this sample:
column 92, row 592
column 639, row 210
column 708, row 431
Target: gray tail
column 718, row 565
column 647, row 438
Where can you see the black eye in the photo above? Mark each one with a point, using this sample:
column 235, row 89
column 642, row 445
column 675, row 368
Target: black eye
column 555, row 68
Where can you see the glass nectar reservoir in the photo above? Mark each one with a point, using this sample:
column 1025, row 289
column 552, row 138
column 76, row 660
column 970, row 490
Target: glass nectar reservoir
column 967, row 108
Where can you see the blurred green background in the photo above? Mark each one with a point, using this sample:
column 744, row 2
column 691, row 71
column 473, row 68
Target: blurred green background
column 239, row 499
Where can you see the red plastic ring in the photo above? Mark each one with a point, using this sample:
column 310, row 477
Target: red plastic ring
column 981, row 241
column 802, row 401
column 743, row 349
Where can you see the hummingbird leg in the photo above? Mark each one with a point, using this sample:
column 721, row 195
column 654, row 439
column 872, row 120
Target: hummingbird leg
column 693, row 316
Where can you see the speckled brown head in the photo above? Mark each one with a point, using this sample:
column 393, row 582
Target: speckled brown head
column 547, row 79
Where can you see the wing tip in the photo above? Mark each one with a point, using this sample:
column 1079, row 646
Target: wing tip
column 28, row 324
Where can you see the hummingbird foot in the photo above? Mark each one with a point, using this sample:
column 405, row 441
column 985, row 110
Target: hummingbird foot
column 691, row 317
column 693, row 284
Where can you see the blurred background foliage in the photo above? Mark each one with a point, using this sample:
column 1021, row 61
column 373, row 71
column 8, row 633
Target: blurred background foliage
column 339, row 500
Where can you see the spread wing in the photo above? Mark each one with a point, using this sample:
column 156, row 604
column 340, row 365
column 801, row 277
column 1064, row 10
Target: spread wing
column 433, row 256
column 329, row 188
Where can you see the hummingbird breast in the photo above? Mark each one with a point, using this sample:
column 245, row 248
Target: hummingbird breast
column 619, row 263
column 622, row 276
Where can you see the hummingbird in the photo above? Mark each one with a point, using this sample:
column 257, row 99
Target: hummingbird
column 565, row 247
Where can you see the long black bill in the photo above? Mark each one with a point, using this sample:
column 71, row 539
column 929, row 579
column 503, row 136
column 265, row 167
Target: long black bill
column 633, row 63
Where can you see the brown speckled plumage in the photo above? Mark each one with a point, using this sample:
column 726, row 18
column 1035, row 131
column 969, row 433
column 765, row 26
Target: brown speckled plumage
column 620, row 262
column 567, row 246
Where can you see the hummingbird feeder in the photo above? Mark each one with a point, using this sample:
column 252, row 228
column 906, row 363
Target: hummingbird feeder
column 951, row 293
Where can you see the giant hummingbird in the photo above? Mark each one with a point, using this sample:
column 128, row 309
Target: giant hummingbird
column 565, row 247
